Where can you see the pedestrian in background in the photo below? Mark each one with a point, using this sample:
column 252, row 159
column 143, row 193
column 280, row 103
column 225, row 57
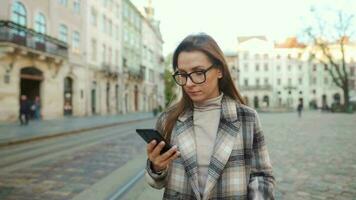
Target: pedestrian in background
column 300, row 109
column 219, row 150
column 25, row 107
column 37, row 106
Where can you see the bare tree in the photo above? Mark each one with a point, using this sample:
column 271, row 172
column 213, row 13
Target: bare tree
column 330, row 42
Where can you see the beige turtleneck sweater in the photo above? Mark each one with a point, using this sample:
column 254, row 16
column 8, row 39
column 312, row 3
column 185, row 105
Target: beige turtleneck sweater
column 206, row 117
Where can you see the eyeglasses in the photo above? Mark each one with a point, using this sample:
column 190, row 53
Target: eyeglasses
column 197, row 77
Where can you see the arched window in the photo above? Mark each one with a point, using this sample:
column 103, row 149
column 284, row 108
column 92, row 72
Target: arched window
column 19, row 15
column 40, row 23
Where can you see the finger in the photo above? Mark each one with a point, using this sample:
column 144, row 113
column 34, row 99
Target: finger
column 151, row 146
column 169, row 153
column 156, row 151
column 170, row 159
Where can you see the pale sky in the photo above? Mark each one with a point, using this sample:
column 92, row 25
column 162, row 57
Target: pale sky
column 225, row 20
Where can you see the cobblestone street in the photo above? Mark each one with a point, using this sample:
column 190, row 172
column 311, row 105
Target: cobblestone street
column 313, row 157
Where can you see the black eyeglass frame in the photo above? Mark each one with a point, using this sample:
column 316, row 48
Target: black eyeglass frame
column 186, row 75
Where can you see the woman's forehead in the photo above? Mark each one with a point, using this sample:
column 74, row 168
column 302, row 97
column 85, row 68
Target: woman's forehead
column 194, row 59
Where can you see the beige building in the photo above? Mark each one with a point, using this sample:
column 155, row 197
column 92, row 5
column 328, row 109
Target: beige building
column 103, row 27
column 41, row 55
column 80, row 57
column 282, row 75
column 142, row 59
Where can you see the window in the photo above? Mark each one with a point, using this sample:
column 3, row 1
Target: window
column 300, row 80
column 257, row 67
column 352, row 84
column 104, row 54
column 300, row 67
column 63, row 2
column 266, row 66
column 352, row 71
column 117, row 33
column 265, row 56
column 76, row 40
column 103, row 24
column 110, row 56
column 117, row 58
column 246, row 82
column 19, row 15
column 266, row 81
column 326, row 80
column 314, row 91
column 289, row 68
column 63, row 33
column 151, row 78
column 278, row 56
column 289, row 81
column 289, row 57
column 93, row 51
column 278, row 68
column 257, row 81
column 40, row 23
column 279, row 81
column 326, row 67
column 76, row 6
column 94, row 19
column 257, row 56
column 314, row 80
column 314, row 67
column 246, row 67
column 110, row 27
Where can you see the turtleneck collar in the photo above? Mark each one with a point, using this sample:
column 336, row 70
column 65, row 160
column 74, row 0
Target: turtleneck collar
column 209, row 104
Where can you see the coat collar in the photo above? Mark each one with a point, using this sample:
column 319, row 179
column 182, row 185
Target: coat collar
column 228, row 128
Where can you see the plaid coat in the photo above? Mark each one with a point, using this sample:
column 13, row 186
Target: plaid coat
column 239, row 167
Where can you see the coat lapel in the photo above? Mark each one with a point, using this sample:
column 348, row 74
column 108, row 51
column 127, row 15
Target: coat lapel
column 226, row 136
column 187, row 147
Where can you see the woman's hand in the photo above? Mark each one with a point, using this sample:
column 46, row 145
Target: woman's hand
column 161, row 162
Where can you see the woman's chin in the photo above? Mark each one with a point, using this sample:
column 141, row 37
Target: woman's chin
column 197, row 98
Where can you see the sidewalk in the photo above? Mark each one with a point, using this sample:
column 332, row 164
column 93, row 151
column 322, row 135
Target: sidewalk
column 15, row 133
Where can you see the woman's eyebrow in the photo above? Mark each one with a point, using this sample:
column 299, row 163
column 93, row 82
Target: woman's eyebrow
column 193, row 69
column 198, row 68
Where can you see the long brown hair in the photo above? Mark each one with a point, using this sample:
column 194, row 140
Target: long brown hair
column 206, row 44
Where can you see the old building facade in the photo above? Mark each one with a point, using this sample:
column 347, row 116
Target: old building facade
column 74, row 56
column 281, row 75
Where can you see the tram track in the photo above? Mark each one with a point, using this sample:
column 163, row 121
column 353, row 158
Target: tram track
column 11, row 159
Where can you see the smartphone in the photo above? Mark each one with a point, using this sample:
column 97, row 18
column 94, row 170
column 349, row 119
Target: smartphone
column 151, row 134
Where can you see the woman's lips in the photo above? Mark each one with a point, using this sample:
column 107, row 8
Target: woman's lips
column 194, row 93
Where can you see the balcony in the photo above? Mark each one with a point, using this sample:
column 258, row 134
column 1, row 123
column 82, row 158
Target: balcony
column 256, row 87
column 136, row 74
column 109, row 70
column 11, row 32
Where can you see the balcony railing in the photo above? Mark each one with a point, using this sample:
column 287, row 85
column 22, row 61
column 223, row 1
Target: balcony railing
column 256, row 87
column 110, row 70
column 137, row 74
column 20, row 35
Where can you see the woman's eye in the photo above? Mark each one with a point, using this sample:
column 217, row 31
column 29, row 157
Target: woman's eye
column 199, row 73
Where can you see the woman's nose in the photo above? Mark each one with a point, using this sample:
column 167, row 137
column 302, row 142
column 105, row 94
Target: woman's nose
column 189, row 82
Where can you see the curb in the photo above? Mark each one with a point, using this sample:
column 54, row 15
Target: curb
column 72, row 132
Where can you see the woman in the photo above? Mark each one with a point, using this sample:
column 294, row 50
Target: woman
column 218, row 148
